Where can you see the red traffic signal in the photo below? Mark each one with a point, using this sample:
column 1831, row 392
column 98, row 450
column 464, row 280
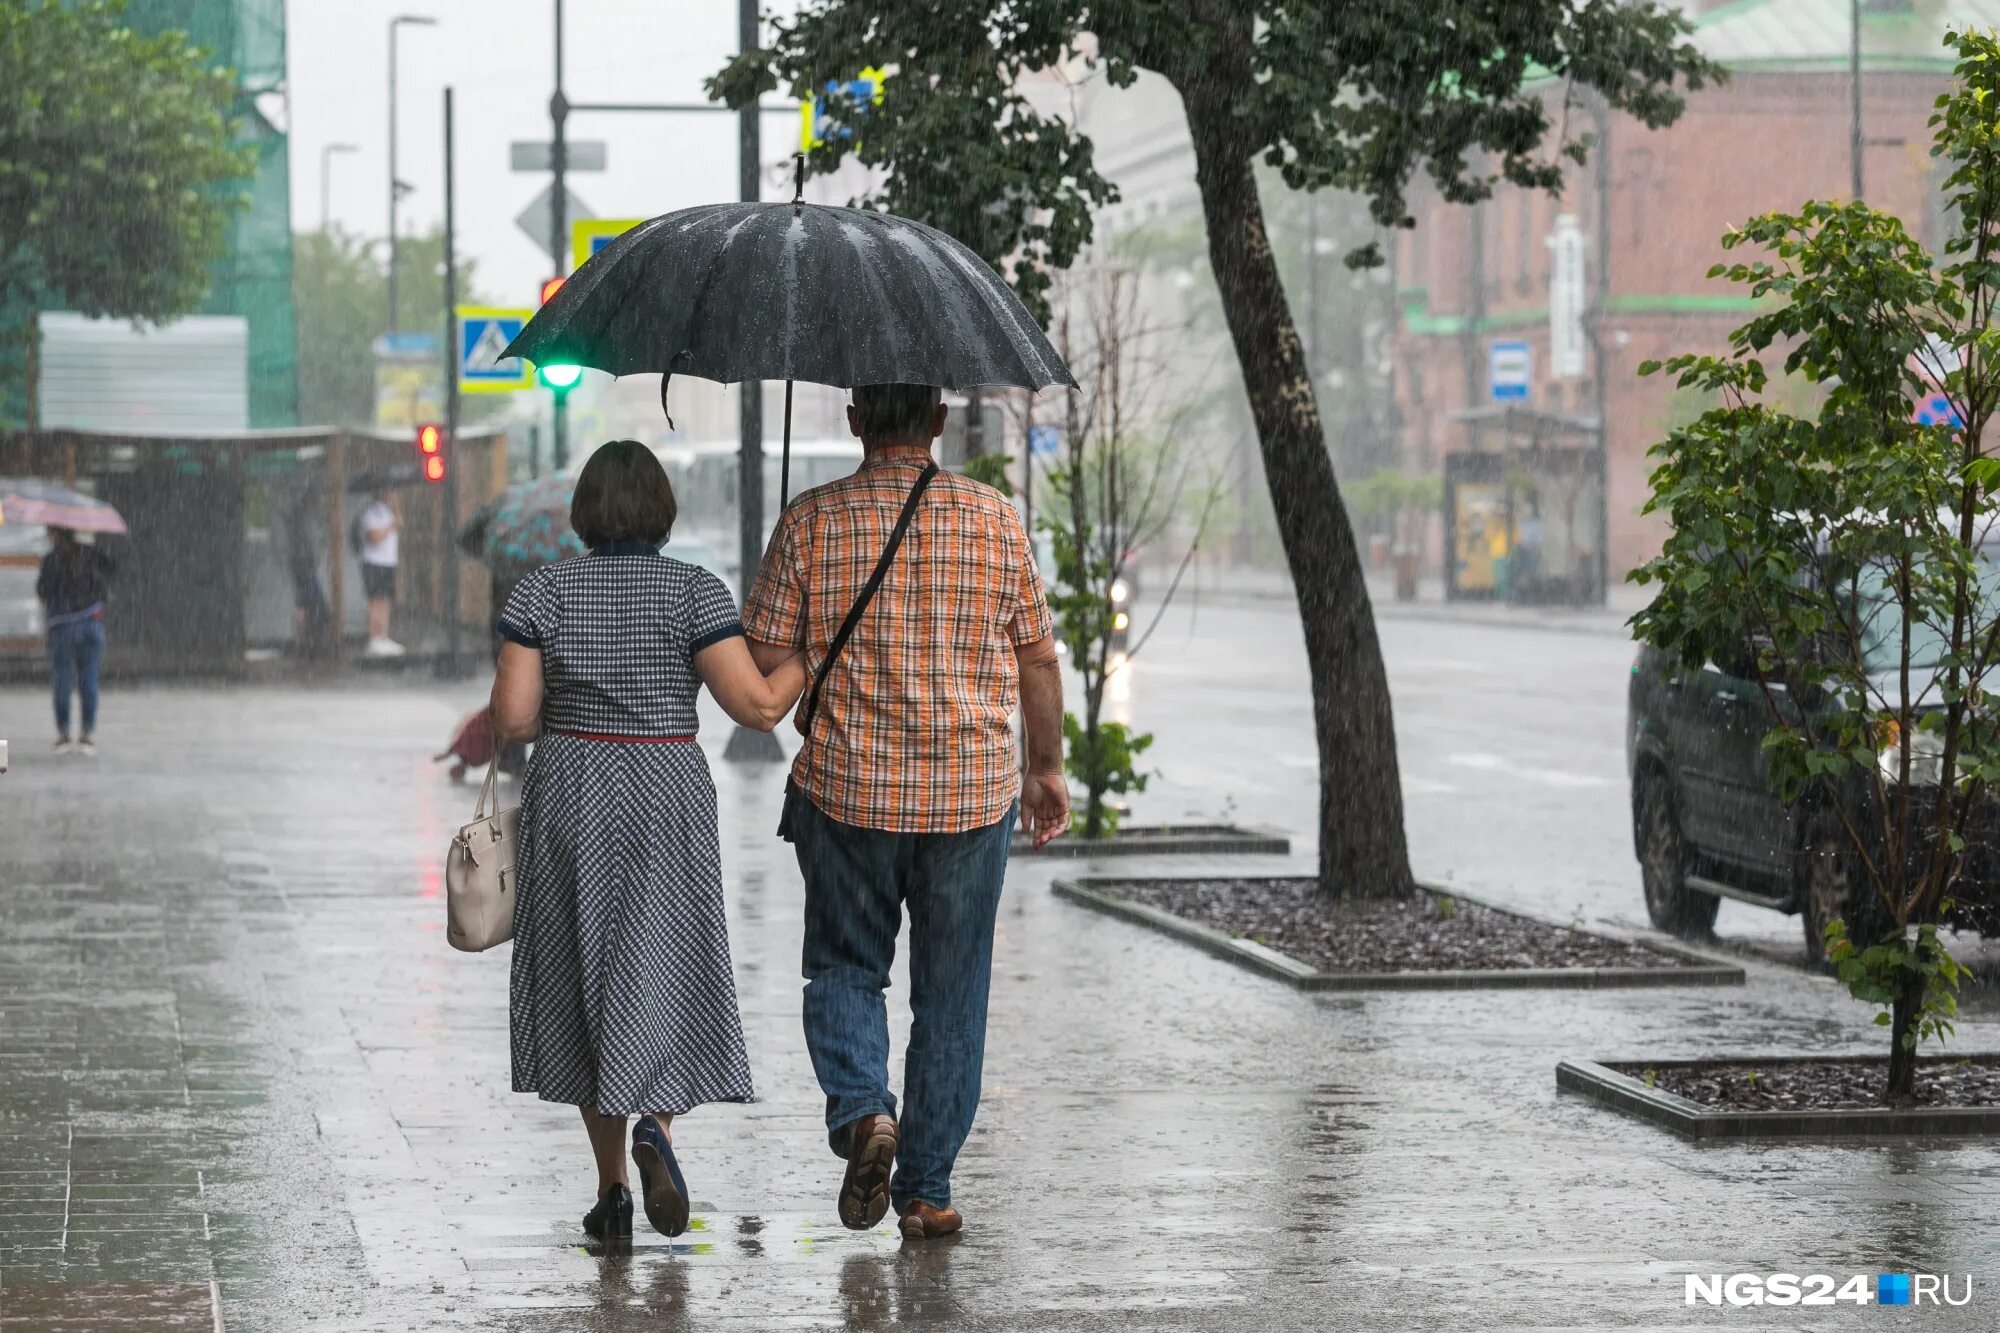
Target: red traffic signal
column 430, row 447
column 550, row 288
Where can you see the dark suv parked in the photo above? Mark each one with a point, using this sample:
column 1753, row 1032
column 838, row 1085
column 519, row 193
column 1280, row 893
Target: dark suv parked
column 1708, row 826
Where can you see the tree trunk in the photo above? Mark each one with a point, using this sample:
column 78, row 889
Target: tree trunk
column 1902, row 1089
column 1362, row 849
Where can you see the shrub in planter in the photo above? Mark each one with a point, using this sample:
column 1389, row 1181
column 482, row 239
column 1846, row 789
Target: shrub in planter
column 1844, row 554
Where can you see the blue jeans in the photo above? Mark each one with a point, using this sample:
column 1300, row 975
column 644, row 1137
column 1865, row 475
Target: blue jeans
column 75, row 649
column 857, row 882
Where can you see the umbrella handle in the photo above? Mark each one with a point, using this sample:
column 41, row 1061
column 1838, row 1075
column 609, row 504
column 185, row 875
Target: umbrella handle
column 785, row 460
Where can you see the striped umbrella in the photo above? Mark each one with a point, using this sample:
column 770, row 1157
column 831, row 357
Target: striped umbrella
column 37, row 502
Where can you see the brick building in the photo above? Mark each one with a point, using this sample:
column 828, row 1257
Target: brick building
column 1651, row 207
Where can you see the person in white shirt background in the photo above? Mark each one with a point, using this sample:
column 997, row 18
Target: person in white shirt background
column 380, row 550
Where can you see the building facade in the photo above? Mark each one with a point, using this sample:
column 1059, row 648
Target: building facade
column 1652, row 207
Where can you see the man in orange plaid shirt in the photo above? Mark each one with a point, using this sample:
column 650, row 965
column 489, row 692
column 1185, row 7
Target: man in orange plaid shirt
column 906, row 788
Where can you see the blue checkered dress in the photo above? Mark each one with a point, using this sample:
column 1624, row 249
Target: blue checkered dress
column 622, row 998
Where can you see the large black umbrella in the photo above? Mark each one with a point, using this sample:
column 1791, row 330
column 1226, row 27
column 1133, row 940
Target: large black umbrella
column 796, row 291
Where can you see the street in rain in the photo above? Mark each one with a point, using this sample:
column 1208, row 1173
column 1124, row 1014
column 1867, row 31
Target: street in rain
column 855, row 664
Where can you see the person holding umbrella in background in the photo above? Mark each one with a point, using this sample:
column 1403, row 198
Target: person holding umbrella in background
column 72, row 585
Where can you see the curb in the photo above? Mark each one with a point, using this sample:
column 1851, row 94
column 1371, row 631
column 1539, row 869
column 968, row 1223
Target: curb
column 1585, row 622
column 1624, row 1093
column 1542, row 624
column 1701, row 971
column 1164, row 840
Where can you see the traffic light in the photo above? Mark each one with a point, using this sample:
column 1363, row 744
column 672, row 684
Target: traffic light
column 430, row 448
column 559, row 376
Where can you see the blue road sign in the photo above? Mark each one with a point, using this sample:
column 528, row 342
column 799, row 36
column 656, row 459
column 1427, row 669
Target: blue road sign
column 1044, row 440
column 406, row 346
column 1509, row 371
column 483, row 333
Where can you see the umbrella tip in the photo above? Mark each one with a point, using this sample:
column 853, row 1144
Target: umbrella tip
column 798, row 179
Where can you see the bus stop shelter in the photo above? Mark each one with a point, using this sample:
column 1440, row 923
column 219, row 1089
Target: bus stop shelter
column 1524, row 517
column 220, row 524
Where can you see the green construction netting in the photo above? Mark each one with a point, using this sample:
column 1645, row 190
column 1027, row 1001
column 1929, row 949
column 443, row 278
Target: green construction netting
column 246, row 35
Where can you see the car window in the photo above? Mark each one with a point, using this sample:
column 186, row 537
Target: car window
column 1882, row 630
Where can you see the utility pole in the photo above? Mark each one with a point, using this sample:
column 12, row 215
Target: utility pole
column 1854, row 139
column 395, row 185
column 449, row 667
column 559, row 227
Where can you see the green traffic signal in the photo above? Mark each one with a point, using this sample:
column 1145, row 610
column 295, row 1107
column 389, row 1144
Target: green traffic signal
column 560, row 376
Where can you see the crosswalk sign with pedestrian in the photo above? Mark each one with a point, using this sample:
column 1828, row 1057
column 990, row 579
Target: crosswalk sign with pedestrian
column 483, row 334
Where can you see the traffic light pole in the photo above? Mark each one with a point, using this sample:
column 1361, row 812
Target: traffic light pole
column 746, row 745
column 559, row 226
column 449, row 665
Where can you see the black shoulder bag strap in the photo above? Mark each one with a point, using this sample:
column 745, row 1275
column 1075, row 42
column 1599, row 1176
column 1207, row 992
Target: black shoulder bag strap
column 847, row 626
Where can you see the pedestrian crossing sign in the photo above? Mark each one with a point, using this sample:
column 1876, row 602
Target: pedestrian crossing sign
column 483, row 334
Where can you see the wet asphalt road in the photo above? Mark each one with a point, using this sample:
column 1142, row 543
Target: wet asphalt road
column 242, row 1079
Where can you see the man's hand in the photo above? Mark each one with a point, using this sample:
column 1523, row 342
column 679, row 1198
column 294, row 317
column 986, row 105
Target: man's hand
column 1045, row 806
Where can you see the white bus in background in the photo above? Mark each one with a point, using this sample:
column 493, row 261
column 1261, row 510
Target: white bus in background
column 705, row 480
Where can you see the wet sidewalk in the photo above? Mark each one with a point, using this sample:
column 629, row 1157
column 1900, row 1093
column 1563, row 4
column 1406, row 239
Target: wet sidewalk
column 244, row 1084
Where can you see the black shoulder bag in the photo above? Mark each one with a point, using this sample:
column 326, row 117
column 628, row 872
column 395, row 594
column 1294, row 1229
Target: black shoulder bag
column 846, row 632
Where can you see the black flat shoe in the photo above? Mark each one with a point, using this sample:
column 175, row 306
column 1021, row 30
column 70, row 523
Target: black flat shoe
column 612, row 1218
column 660, row 1184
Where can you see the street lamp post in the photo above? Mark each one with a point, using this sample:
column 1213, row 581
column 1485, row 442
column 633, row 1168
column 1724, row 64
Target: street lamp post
column 396, row 186
column 326, row 182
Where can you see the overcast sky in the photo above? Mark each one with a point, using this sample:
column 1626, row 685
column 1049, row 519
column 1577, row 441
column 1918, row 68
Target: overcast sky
column 498, row 56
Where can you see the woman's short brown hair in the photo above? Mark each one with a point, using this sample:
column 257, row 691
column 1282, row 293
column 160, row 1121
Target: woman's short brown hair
column 623, row 495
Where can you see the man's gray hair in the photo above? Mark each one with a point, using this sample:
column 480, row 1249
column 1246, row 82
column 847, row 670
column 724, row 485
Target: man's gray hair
column 896, row 413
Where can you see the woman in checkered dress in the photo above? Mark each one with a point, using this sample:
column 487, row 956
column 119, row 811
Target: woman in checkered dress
column 622, row 999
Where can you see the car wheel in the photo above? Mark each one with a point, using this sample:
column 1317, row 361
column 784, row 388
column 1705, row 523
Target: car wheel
column 1663, row 864
column 1834, row 890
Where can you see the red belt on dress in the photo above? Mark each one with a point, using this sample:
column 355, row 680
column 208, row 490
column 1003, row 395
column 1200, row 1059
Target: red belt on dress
column 619, row 740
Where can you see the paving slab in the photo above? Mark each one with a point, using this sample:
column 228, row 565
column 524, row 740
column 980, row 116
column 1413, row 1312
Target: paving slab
column 236, row 1050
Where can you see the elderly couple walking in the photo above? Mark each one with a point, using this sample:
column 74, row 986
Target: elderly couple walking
column 904, row 603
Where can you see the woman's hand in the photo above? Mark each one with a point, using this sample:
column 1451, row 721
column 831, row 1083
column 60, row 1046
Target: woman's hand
column 517, row 693
column 750, row 697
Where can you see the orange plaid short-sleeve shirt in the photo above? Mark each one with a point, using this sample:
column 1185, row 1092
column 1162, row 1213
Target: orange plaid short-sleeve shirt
column 914, row 731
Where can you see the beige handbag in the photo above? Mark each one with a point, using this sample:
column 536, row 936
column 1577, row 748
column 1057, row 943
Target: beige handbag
column 479, row 873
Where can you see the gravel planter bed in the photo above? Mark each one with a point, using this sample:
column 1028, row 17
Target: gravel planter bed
column 1812, row 1085
column 1790, row 1096
column 1285, row 928
column 1165, row 840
